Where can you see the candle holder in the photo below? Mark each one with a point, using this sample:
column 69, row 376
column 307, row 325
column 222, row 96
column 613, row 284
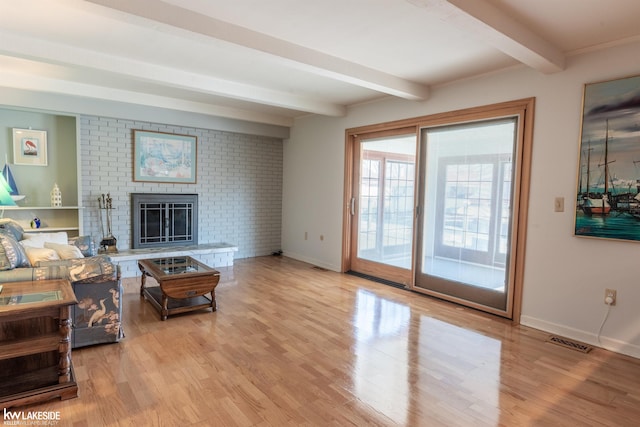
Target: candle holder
column 56, row 196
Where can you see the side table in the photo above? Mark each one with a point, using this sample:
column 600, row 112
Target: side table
column 35, row 342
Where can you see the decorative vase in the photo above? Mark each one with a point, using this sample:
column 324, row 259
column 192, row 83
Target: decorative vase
column 35, row 222
column 56, row 196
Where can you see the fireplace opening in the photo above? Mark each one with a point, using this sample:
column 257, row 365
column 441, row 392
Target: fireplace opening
column 164, row 220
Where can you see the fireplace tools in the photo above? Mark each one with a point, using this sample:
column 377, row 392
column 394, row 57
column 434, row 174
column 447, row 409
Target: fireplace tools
column 108, row 243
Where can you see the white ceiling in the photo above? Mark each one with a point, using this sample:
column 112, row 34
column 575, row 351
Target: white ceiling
column 270, row 61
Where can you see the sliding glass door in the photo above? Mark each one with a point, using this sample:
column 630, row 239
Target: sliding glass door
column 465, row 232
column 439, row 204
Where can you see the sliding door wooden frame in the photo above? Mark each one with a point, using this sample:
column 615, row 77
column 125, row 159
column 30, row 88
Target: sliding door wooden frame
column 525, row 109
column 351, row 149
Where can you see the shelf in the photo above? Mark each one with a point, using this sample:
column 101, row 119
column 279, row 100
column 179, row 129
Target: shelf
column 38, row 208
column 27, row 346
column 53, row 219
column 49, row 229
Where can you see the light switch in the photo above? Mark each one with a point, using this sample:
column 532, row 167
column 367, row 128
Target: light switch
column 558, row 204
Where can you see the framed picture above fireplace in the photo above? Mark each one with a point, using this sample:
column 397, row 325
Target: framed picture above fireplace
column 164, row 157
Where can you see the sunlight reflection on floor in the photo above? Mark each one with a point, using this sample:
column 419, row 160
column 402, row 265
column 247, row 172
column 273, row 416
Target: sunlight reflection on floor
column 395, row 371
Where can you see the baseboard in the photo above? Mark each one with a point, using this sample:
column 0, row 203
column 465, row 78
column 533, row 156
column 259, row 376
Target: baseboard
column 309, row 260
column 586, row 337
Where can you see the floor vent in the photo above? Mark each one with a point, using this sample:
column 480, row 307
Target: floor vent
column 376, row 279
column 573, row 345
column 315, row 267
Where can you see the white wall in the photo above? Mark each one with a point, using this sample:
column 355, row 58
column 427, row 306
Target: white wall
column 565, row 276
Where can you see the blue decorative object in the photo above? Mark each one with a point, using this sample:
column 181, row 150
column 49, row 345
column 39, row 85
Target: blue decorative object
column 35, row 222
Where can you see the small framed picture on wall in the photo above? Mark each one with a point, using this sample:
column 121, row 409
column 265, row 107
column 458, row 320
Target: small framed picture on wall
column 29, row 147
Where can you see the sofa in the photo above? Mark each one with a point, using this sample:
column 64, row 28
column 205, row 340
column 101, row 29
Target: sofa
column 95, row 279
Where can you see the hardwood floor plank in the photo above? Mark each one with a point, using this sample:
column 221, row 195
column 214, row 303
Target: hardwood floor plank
column 295, row 346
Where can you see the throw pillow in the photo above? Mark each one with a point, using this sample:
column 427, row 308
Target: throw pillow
column 37, row 240
column 11, row 226
column 86, row 245
column 12, row 253
column 64, row 251
column 40, row 254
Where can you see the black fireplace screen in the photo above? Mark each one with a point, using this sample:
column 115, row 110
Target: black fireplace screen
column 164, row 220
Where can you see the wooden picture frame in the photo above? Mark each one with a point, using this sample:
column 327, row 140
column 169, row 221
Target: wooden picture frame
column 29, row 147
column 608, row 184
column 164, row 157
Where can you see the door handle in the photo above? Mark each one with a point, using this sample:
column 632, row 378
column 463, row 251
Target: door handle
column 353, row 206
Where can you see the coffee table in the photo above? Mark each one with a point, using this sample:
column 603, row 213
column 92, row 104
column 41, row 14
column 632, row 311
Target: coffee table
column 183, row 284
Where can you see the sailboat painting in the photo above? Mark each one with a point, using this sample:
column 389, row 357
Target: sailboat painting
column 5, row 197
column 11, row 182
column 608, row 193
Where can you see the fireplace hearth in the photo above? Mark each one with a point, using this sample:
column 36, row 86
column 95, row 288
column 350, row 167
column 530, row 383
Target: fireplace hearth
column 164, row 220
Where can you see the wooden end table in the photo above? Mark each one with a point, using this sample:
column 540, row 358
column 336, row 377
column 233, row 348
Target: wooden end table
column 35, row 342
column 184, row 284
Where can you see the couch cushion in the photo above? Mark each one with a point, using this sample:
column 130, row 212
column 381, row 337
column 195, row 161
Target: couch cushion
column 37, row 273
column 64, row 251
column 36, row 255
column 37, row 240
column 12, row 253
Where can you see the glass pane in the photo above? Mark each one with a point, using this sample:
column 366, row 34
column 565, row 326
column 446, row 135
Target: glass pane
column 386, row 200
column 505, row 209
column 467, row 203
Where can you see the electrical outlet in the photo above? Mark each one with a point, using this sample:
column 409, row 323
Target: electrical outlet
column 610, row 296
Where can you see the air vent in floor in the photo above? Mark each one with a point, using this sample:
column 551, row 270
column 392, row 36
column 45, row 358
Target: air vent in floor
column 376, row 279
column 573, row 345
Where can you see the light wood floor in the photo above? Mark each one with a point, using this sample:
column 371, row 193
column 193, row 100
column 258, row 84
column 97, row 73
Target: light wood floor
column 291, row 345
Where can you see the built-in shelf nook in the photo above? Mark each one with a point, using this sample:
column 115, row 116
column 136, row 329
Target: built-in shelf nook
column 35, row 181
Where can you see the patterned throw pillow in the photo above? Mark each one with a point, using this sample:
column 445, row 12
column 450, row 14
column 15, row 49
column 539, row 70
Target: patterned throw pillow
column 12, row 253
column 86, row 245
column 10, row 226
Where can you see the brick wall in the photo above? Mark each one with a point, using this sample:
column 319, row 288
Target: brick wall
column 239, row 182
